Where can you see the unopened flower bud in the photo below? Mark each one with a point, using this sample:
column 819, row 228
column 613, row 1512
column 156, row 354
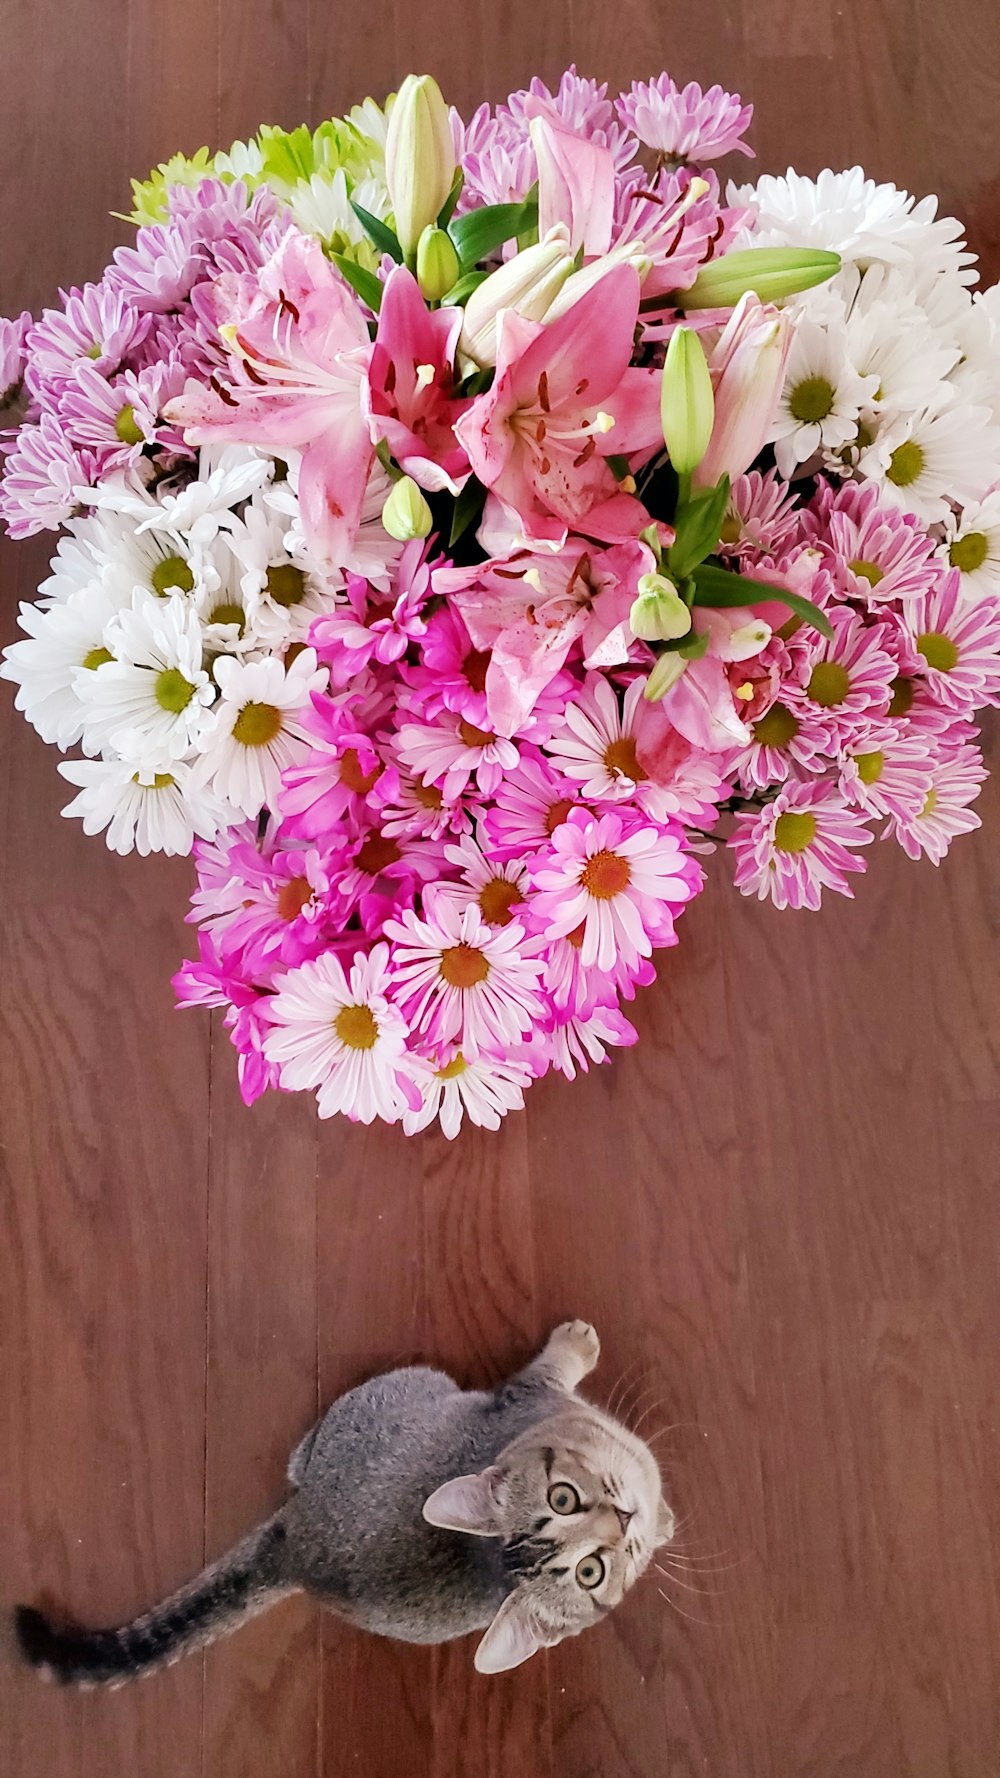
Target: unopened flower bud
column 527, row 283
column 406, row 513
column 664, row 676
column 659, row 614
column 687, row 405
column 419, row 158
column 771, row 272
column 437, row 263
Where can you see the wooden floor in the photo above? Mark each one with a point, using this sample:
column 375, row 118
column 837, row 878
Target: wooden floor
column 781, row 1210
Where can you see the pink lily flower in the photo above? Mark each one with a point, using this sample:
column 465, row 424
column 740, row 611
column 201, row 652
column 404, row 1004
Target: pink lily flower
column 576, row 184
column 300, row 349
column 529, row 611
column 563, row 398
column 410, row 382
column 702, row 705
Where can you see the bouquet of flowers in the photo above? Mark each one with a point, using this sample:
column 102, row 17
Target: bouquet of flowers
column 468, row 525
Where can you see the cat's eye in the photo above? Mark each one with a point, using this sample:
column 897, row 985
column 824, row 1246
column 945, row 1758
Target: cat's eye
column 590, row 1572
column 563, row 1498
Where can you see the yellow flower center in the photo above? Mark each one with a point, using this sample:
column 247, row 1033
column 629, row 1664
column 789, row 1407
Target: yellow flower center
column 228, row 613
column 356, row 1027
column 474, row 668
column 901, row 701
column 605, row 875
column 829, row 684
column 96, row 657
column 463, row 966
column 938, row 650
column 161, row 781
column 377, row 854
column 557, row 813
column 621, row 756
column 172, row 572
column 969, row 552
column 172, row 691
column 812, row 400
column 286, row 584
column 777, row 727
column 126, row 426
column 256, row 725
column 452, row 1069
column 474, row 737
column 930, row 804
column 906, row 464
column 293, row 896
column 870, row 766
column 869, row 571
column 427, row 795
column 793, row 833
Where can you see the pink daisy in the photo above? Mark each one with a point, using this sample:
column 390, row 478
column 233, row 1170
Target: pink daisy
column 887, row 771
column 376, row 860
column 116, row 420
column 461, row 983
column 452, row 672
column 157, row 271
column 846, row 677
column 574, row 988
column 263, row 907
column 876, row 554
column 573, row 1045
column 410, row 807
column 956, row 779
column 331, row 785
column 210, row 982
column 623, row 886
column 762, row 517
column 529, row 804
column 685, row 123
column 788, row 739
column 482, row 1091
column 499, row 890
column 451, row 750
column 13, row 354
column 606, row 745
column 956, row 645
column 368, row 630
column 42, row 479
column 342, row 1035
column 799, row 845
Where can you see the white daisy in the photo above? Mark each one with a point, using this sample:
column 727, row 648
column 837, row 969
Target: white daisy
column 64, row 646
column 972, row 545
column 78, row 563
column 822, row 399
column 462, row 984
column 497, row 889
column 255, row 730
column 888, row 337
column 924, row 460
column 143, row 810
column 150, row 703
column 342, row 1036
column 283, row 592
column 851, row 215
column 482, row 1091
column 598, row 748
column 372, row 553
column 978, row 333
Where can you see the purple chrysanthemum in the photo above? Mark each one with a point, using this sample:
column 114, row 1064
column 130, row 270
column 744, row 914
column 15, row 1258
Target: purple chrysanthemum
column 685, row 123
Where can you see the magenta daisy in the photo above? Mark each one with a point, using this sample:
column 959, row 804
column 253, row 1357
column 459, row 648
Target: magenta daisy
column 461, row 983
column 411, row 807
column 957, row 776
column 683, row 123
column 451, row 750
column 800, row 844
column 332, row 784
column 343, row 1036
column 887, row 770
column 624, row 886
column 211, row 982
column 452, row 675
column 875, row 553
column 13, row 354
column 846, row 677
column 572, row 1046
column 482, row 1091
column 575, row 988
column 956, row 645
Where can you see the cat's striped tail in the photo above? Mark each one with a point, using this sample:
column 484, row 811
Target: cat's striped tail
column 242, row 1583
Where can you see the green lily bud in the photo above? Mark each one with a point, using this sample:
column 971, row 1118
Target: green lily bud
column 659, row 614
column 438, row 263
column 406, row 513
column 664, row 676
column 419, row 158
column 687, row 404
column 771, row 272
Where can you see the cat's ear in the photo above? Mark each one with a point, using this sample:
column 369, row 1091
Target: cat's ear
column 466, row 1504
column 513, row 1637
column 666, row 1524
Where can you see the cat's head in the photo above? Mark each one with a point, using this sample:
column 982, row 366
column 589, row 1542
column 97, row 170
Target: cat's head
column 579, row 1507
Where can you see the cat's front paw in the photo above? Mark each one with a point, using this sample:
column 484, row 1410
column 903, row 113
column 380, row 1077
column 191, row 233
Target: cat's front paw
column 573, row 1350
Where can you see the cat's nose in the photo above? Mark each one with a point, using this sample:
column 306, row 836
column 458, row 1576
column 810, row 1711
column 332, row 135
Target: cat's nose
column 624, row 1518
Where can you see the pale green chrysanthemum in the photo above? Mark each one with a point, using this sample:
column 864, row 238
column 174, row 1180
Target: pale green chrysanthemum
column 149, row 196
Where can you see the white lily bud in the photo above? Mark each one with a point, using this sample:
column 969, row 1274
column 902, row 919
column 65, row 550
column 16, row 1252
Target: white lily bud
column 528, row 283
column 659, row 614
column 664, row 676
column 406, row 513
column 419, row 158
column 437, row 263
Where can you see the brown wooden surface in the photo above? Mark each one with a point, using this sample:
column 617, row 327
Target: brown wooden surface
column 781, row 1210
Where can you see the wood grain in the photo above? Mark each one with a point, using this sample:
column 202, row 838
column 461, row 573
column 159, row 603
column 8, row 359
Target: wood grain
column 781, row 1209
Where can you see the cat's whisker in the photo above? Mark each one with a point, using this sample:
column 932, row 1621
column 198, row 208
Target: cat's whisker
column 621, row 1389
column 705, row 1592
column 688, row 1614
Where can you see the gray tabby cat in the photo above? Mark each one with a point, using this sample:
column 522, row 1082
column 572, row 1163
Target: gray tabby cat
column 423, row 1512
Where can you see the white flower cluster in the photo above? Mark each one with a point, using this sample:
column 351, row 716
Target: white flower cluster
column 894, row 372
column 161, row 644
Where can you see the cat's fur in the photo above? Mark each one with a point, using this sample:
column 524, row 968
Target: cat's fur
column 423, row 1512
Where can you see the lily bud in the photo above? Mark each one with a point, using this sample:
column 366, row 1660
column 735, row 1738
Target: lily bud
column 659, row 614
column 406, row 513
column 527, row 283
column 771, row 272
column 438, row 264
column 687, row 404
column 664, row 676
column 748, row 368
column 419, row 158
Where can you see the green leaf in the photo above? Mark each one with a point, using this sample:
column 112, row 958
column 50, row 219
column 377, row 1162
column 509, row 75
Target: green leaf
column 697, row 526
column 476, row 234
column 696, row 646
column 717, row 587
column 365, row 283
column 380, row 233
column 447, row 209
column 462, row 289
column 468, row 506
